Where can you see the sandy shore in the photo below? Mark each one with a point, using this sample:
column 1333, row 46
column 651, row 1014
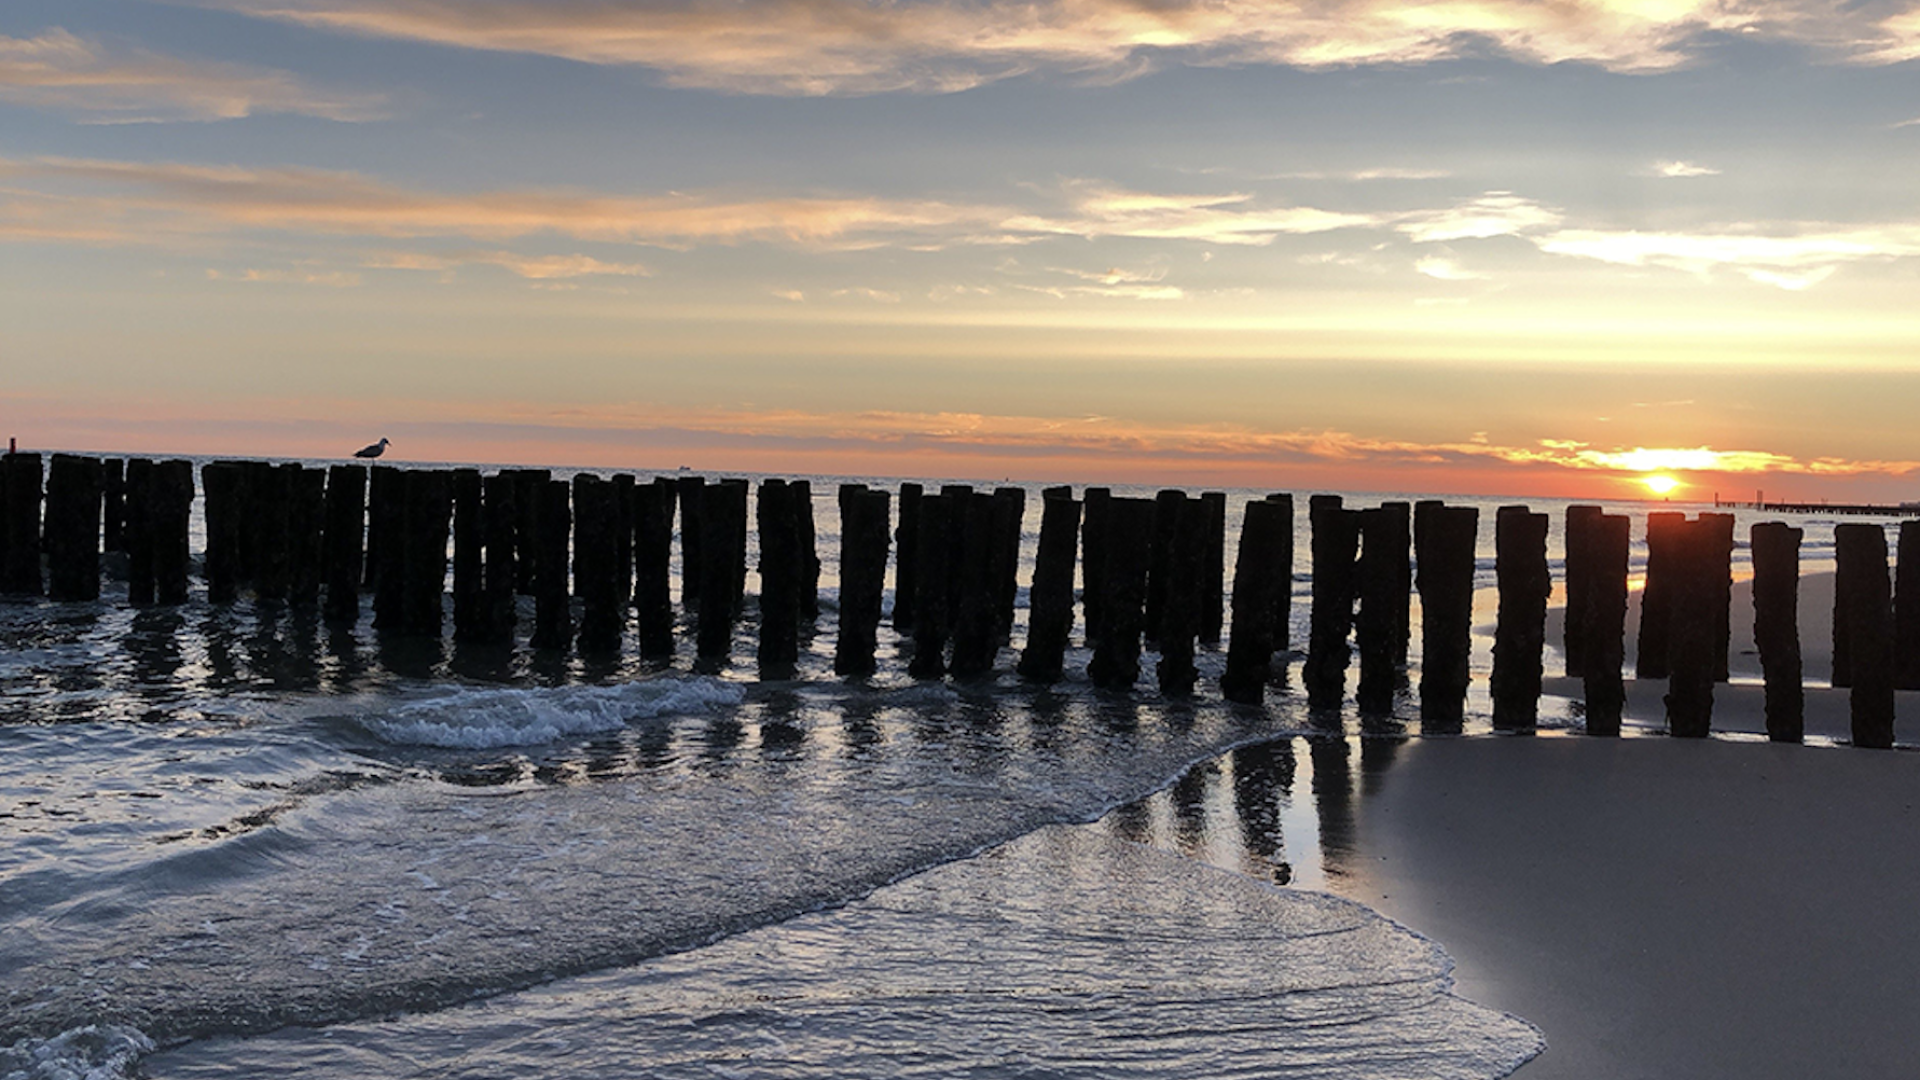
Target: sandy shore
column 1662, row 908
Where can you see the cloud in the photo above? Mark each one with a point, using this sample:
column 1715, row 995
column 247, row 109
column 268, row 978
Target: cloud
column 533, row 267
column 1442, row 268
column 1496, row 213
column 820, row 47
column 64, row 73
column 1232, row 218
column 1680, row 170
column 335, row 279
column 1795, row 259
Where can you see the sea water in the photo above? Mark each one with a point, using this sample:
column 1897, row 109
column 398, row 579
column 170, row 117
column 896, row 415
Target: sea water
column 234, row 841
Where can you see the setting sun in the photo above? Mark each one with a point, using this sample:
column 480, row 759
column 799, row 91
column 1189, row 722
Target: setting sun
column 1660, row 484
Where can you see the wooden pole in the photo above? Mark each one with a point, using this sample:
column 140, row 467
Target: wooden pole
column 596, row 565
column 1093, row 560
column 1447, row 537
column 306, row 525
column 1717, row 536
column 1050, row 600
column 1126, row 550
column 267, row 539
column 713, row 631
column 1690, row 631
column 1180, row 614
column 221, row 481
column 1166, row 525
column 1579, row 577
column 975, row 629
column 387, row 545
column 530, row 493
column 1520, row 566
column 1283, row 595
column 1906, row 609
column 653, row 565
column 780, row 573
column 1602, row 615
column 1656, row 598
column 625, row 507
column 346, row 524
column 929, row 586
column 423, row 562
column 1776, row 627
column 863, row 577
column 1213, row 572
column 1009, row 519
column 169, row 504
column 1860, row 555
column 72, row 528
column 499, row 511
column 470, row 613
column 1258, row 574
column 553, row 524
column 905, row 574
column 136, row 533
column 1336, row 537
column 734, row 491
column 808, row 554
column 20, row 571
column 1381, row 542
column 113, row 505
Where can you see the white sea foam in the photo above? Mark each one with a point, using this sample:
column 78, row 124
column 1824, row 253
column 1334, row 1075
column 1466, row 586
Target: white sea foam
column 471, row 718
column 94, row 1052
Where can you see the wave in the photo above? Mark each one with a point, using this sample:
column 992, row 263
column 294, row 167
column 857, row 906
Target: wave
column 491, row 718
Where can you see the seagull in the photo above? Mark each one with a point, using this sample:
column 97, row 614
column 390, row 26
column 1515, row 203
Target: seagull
column 373, row 451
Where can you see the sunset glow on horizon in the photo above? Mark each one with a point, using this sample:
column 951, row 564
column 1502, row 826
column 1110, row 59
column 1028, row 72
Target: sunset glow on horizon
column 1596, row 249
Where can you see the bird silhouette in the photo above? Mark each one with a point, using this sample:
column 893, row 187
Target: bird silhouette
column 373, row 451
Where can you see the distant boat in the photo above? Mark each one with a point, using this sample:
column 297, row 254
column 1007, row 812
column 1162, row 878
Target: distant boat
column 373, row 451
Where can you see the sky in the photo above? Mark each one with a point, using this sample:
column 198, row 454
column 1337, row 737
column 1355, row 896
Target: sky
column 1467, row 246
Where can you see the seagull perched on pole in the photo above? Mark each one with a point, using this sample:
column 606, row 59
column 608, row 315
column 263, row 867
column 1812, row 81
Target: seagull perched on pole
column 373, row 451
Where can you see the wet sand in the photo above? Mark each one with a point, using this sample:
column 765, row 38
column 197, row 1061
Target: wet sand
column 1662, row 908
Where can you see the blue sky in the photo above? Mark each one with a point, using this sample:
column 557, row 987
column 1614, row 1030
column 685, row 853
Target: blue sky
column 1485, row 245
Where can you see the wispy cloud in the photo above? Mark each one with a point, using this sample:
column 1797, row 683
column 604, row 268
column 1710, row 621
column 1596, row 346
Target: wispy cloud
column 1794, row 258
column 816, row 47
column 335, row 279
column 533, row 267
column 1441, row 268
column 65, row 73
column 1496, row 213
column 1233, row 218
column 1680, row 170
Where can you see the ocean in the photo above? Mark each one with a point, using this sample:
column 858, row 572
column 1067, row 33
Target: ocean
column 237, row 842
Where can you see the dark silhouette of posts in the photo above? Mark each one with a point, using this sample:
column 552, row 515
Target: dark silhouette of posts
column 1579, row 577
column 906, row 560
column 530, row 489
column 975, row 613
column 1526, row 584
column 1398, row 529
column 1261, row 569
column 346, row 515
column 1776, row 627
column 1906, row 609
column 306, row 523
column 931, row 626
column 1691, row 628
column 625, row 506
column 863, row 577
column 220, row 481
column 1865, row 607
column 1166, row 524
column 264, row 530
column 1093, row 558
column 1336, row 541
column 1602, row 615
column 690, row 492
column 596, row 565
column 1050, row 599
column 72, row 528
column 1717, row 536
column 169, row 503
column 718, row 550
column 1126, row 550
column 552, row 607
column 423, row 563
column 113, row 505
column 1650, row 661
column 780, row 573
column 1213, row 571
column 499, row 515
column 470, row 615
column 1180, row 614
column 1009, row 518
column 653, row 566
column 1283, row 596
column 387, row 545
column 1445, row 539
column 733, row 491
column 20, row 549
column 809, row 553
column 136, row 532
column 1382, row 543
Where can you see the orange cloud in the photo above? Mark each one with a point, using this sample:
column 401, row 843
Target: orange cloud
column 69, row 74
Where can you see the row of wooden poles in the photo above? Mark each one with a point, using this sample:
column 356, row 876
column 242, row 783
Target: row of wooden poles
column 1151, row 573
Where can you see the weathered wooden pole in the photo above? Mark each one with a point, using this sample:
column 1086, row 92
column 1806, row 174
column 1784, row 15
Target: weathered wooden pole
column 530, row 491
column 169, row 504
column 306, row 526
column 1050, row 599
column 1259, row 572
column 1718, row 538
column 1690, row 630
column 1399, row 533
column 734, row 490
column 975, row 629
column 1526, row 584
column 268, row 535
column 809, row 552
column 220, row 481
column 625, row 507
column 653, row 566
column 20, row 568
column 1906, row 609
column 387, row 524
column 863, row 577
column 1447, row 537
column 780, row 573
column 72, row 528
column 714, row 613
column 1213, row 574
column 346, row 524
column 1166, row 525
column 499, row 511
column 113, row 505
column 1283, row 596
column 596, row 565
column 1579, row 573
column 470, row 614
column 1336, row 541
column 553, row 525
column 136, row 534
column 1602, row 615
column 690, row 493
column 1009, row 518
column 1126, row 550
column 906, row 539
column 1381, row 542
column 425, row 521
column 1650, row 661
column 1094, row 519
column 1180, row 607
column 1776, row 627
column 1860, row 557
column 931, row 626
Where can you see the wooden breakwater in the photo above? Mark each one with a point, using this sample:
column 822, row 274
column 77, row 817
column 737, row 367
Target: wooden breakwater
column 593, row 557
